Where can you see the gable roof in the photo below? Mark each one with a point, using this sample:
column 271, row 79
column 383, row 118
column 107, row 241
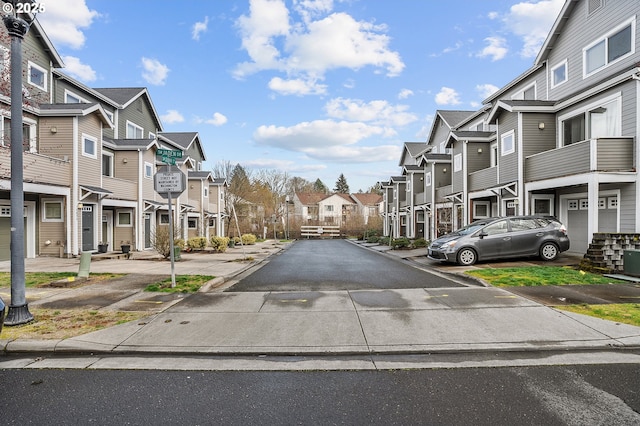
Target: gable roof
column 556, row 30
column 184, row 140
column 62, row 76
column 125, row 96
column 201, row 175
column 56, row 59
column 367, row 198
column 129, row 144
column 71, row 110
column 310, row 198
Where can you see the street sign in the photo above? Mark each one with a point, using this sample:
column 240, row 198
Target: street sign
column 175, row 153
column 168, row 156
column 169, row 181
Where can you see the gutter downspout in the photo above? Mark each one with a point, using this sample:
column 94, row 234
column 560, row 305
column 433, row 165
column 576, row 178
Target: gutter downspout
column 74, row 189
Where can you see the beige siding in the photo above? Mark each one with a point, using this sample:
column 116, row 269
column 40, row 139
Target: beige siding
column 121, row 189
column 60, row 143
column 37, row 168
column 53, row 232
column 89, row 169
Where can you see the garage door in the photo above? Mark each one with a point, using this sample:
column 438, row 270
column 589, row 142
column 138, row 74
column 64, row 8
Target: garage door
column 577, row 228
column 5, row 238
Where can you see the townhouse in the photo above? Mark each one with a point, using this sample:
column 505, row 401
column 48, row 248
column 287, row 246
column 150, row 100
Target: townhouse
column 561, row 139
column 335, row 209
column 90, row 160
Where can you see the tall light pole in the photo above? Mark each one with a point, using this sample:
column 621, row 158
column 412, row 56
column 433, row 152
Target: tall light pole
column 18, row 309
column 286, row 202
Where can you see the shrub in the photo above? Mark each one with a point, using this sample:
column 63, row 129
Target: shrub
column 373, row 239
column 219, row 244
column 179, row 242
column 248, row 239
column 197, row 243
column 384, row 241
column 401, row 242
column 420, row 242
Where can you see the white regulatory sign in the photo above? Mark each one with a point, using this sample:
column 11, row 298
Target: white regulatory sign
column 166, row 182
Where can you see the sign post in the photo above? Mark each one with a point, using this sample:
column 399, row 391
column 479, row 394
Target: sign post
column 170, row 182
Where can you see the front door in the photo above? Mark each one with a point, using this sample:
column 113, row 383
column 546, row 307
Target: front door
column 147, row 230
column 87, row 228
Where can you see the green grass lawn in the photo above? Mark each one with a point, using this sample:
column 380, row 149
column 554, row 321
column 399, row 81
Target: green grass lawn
column 35, row 279
column 184, row 284
column 538, row 276
column 626, row 313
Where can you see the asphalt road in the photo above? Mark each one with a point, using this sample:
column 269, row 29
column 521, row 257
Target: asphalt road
column 325, row 265
column 556, row 395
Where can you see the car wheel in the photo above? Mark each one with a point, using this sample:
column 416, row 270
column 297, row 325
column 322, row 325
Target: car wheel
column 549, row 251
column 467, row 257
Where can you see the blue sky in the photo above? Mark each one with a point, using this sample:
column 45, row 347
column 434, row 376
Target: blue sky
column 314, row 88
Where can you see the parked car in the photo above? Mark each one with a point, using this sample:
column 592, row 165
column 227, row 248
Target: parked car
column 501, row 238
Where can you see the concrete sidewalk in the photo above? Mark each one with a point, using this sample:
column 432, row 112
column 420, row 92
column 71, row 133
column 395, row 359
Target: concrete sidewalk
column 408, row 321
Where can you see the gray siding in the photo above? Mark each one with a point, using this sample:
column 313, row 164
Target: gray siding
column 628, row 206
column 615, row 154
column 459, row 176
column 440, row 135
column 478, row 160
column 508, row 164
column 580, row 31
column 140, row 113
column 535, row 140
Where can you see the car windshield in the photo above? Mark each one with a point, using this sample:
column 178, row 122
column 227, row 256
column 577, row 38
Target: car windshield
column 470, row 229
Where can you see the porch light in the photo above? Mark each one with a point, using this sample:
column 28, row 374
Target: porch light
column 541, row 125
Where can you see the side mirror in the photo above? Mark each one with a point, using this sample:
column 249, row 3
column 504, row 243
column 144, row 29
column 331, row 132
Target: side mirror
column 482, row 234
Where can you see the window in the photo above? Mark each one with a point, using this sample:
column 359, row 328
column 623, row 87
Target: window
column 543, row 206
column 148, row 170
column 612, row 202
column 559, row 74
column 500, row 227
column 89, row 146
column 152, row 135
column 457, row 162
column 107, row 164
column 164, row 218
column 110, row 115
column 134, row 131
column 573, row 129
column 508, row 143
column 493, row 154
column 72, row 98
column 529, row 93
column 427, row 179
column 192, row 222
column 602, row 203
column 124, row 219
column 510, row 208
column 52, row 211
column 328, row 208
column 443, row 147
column 572, row 205
column 37, row 76
column 584, row 204
column 605, row 120
column 523, row 224
column 206, row 192
column 612, row 47
column 481, row 209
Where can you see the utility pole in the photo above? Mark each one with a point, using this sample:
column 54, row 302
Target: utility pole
column 18, row 309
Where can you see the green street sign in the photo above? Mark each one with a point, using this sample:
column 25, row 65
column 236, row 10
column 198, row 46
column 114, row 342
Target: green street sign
column 169, row 153
column 168, row 160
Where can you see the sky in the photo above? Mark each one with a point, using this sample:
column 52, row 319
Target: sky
column 313, row 88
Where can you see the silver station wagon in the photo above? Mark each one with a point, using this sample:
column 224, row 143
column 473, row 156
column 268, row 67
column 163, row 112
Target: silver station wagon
column 501, row 238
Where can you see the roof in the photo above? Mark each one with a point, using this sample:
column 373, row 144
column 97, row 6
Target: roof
column 453, row 118
column 129, row 144
column 73, row 110
column 202, row 175
column 122, row 95
column 367, row 198
column 62, row 76
column 184, row 140
column 309, row 198
column 512, row 105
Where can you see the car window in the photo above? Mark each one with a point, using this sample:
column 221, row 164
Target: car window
column 499, row 227
column 523, row 224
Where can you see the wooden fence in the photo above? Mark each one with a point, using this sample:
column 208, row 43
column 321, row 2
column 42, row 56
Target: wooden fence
column 321, row 231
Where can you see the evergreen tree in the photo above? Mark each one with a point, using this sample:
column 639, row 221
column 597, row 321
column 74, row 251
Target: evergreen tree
column 342, row 187
column 320, row 187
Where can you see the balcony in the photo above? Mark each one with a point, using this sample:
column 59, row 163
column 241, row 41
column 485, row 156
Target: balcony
column 594, row 155
column 441, row 192
column 121, row 189
column 37, row 168
column 483, row 179
column 419, row 198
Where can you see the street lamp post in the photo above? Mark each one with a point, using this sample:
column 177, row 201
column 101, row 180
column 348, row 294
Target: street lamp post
column 18, row 309
column 286, row 202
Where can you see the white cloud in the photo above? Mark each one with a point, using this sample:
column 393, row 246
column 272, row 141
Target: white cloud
column 318, row 133
column 199, row 28
column 77, row 69
column 217, row 119
column 486, row 90
column 532, row 22
column 447, row 96
column 297, row 86
column 154, row 72
column 285, row 165
column 308, row 49
column 379, row 112
column 405, row 93
column 495, row 49
column 64, row 20
column 355, row 154
column 172, row 116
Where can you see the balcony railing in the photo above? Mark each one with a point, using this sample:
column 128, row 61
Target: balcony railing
column 121, row 188
column 441, row 192
column 602, row 155
column 483, row 179
column 37, row 168
column 420, row 198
